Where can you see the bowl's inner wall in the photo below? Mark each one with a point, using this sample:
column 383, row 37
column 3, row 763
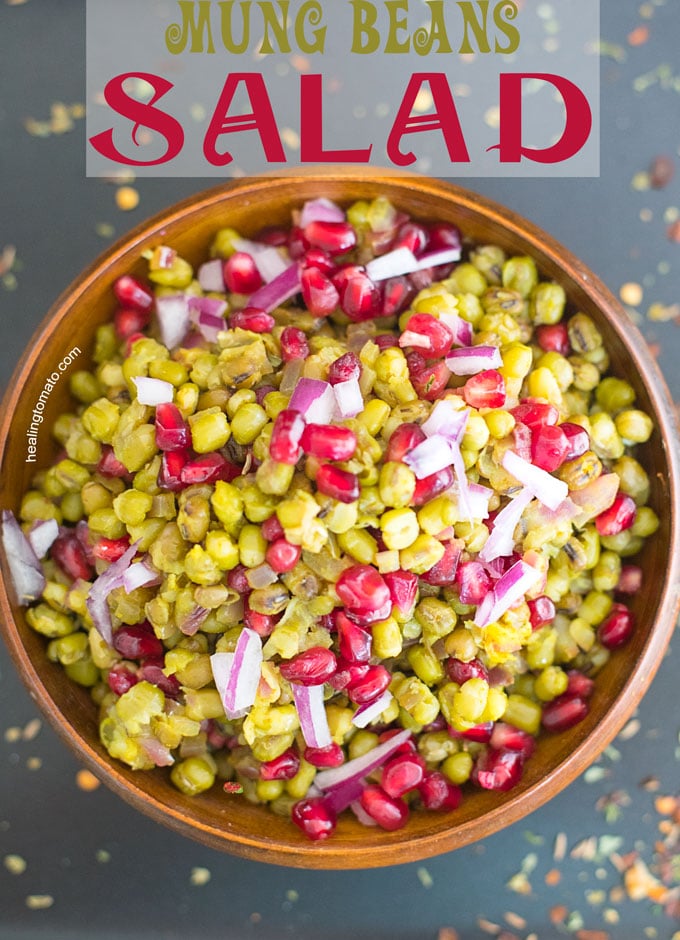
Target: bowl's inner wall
column 214, row 816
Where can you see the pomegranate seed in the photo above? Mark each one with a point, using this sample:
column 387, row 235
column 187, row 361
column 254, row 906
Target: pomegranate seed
column 262, row 391
column 403, row 588
column 434, row 484
column 313, row 666
column 438, row 793
column 281, row 556
column 109, row 465
column 397, row 293
column 294, row 344
column 553, row 337
column 320, row 295
column 130, row 342
column 459, row 671
column 428, row 380
column 240, row 273
column 437, row 337
column 541, row 611
column 253, row 319
column 564, row 712
column 318, row 258
column 238, row 581
column 485, row 390
column 364, row 593
column 206, row 469
column 444, row 572
column 402, row 440
column 549, row 447
column 344, row 369
column 284, row 445
column 402, row 773
column 330, row 756
column 422, row 279
column 498, row 770
column 71, row 557
column 297, row 243
column 413, row 236
column 354, row 642
column 389, row 813
column 347, row 673
column 514, row 739
column 314, row 817
column 535, row 413
column 620, row 516
column 153, row 672
column 360, row 299
column 128, row 322
column 630, row 580
column 120, row 679
column 172, row 464
column 338, row 484
column 473, row 582
column 617, row 628
column 271, row 235
column 172, row 431
column 444, row 235
column 579, row 685
column 283, row 767
column 329, row 441
column 521, row 434
column 271, row 528
column 336, row 238
column 480, row 734
column 133, row 293
column 372, row 684
column 262, row 624
column 137, row 641
column 111, row 549
column 579, row 441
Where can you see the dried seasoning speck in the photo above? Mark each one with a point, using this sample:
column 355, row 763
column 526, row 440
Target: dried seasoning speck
column 673, row 232
column 87, row 781
column 560, row 846
column 104, row 230
column 448, row 933
column 15, row 864
column 12, row 735
column 39, row 902
column 661, row 171
column 127, row 198
column 488, row 926
column 631, row 293
column 31, row 729
column 553, row 877
column 425, row 878
column 102, row 856
column 200, row 876
column 519, row 923
column 34, row 763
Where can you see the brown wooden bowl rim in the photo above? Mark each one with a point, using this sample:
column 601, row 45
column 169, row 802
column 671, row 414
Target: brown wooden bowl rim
column 394, row 848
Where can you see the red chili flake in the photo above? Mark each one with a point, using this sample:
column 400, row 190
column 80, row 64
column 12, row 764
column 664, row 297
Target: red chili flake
column 638, row 36
column 232, row 787
column 558, row 914
column 661, row 171
column 673, row 231
column 592, row 935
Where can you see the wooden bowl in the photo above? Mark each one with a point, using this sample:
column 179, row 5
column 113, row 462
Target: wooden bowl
column 232, row 824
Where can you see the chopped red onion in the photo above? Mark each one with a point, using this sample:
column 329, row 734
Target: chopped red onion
column 320, row 210
column 211, row 276
column 473, row 359
column 311, row 711
column 106, row 582
column 415, row 340
column 545, row 487
column 341, row 797
column 164, row 257
column 461, row 329
column 358, row 768
column 27, row 574
column 361, row 814
column 368, row 712
column 240, row 676
column 173, row 318
column 155, row 751
column 446, row 420
column 433, row 259
column 153, row 391
column 392, row 264
column 138, row 575
column 521, row 435
column 594, row 498
column 270, row 263
column 464, row 503
column 278, row 291
column 315, row 400
column 208, row 310
column 348, row 398
column 42, row 535
column 479, row 497
column 431, row 455
column 507, row 591
column 501, row 542
column 192, row 623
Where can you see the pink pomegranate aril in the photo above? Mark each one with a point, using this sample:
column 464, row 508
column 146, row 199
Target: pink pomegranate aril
column 434, row 484
column 294, row 344
column 535, row 413
column 579, row 440
column 403, row 590
column 485, row 390
column 137, row 641
column 344, row 368
column 273, row 235
column 480, row 734
column 364, row 592
column 111, row 549
column 498, row 769
column 443, row 235
column 412, row 236
column 237, row 580
column 283, row 767
column 120, row 679
column 169, row 475
column 402, row 773
column 436, row 336
column 360, row 298
column 172, row 431
column 579, row 685
column 133, row 293
column 313, row 666
column 109, row 465
column 564, row 712
column 473, row 582
column 439, row 794
column 320, row 295
column 129, row 322
column 347, row 673
column 397, row 293
column 372, row 684
column 271, row 528
column 335, row 238
column 514, row 739
column 459, row 671
column 354, row 642
column 444, row 572
column 338, row 484
column 617, row 628
column 329, row 441
column 206, row 469
column 314, row 817
column 240, row 273
column 553, row 337
column 330, row 756
column 619, row 517
column 428, row 379
column 281, row 556
column 253, row 319
column 318, row 258
column 297, row 243
column 262, row 624
column 402, row 440
column 71, row 557
column 389, row 813
column 284, row 445
column 549, row 447
column 541, row 611
column 630, row 579
column 152, row 671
